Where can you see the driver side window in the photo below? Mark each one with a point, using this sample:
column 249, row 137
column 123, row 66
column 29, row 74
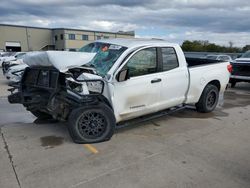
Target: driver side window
column 143, row 62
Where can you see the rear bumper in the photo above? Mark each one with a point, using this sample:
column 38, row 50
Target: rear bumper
column 240, row 77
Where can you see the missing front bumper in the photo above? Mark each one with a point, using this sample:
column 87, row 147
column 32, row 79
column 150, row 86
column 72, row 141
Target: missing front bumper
column 15, row 98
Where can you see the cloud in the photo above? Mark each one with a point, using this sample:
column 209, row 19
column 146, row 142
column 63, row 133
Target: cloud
column 219, row 21
column 109, row 25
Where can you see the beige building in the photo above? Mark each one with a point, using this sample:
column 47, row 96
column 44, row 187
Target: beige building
column 24, row 38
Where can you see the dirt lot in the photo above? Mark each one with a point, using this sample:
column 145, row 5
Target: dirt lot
column 186, row 149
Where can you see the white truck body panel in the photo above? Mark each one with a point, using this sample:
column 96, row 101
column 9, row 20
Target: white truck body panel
column 132, row 98
column 137, row 96
column 200, row 76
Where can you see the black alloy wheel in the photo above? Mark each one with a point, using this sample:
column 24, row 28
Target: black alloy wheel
column 92, row 125
column 208, row 100
column 211, row 99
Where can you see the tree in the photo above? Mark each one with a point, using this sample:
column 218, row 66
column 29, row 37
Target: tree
column 246, row 48
column 206, row 46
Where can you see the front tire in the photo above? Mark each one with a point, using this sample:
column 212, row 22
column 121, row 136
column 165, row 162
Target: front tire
column 91, row 124
column 208, row 100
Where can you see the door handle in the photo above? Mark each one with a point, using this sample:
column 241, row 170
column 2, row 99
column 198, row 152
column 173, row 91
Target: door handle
column 156, row 80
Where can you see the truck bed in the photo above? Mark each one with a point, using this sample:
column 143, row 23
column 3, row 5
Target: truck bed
column 200, row 61
column 201, row 72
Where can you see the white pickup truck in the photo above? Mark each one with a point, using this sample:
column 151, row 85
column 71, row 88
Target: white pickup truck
column 111, row 81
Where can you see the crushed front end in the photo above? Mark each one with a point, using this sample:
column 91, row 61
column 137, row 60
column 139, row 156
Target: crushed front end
column 45, row 90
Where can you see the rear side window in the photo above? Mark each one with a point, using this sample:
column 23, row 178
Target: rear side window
column 169, row 59
column 143, row 62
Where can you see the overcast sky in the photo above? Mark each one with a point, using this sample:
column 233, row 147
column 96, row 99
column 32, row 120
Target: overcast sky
column 218, row 21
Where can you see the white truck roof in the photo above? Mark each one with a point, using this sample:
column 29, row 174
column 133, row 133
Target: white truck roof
column 136, row 42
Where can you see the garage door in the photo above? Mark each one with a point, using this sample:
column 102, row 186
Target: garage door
column 13, row 46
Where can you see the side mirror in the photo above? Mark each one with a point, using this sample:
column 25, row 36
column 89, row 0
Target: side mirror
column 122, row 75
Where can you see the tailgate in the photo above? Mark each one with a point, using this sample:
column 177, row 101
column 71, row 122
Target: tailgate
column 241, row 69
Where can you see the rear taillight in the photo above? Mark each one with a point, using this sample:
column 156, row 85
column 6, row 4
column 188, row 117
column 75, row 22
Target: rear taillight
column 230, row 68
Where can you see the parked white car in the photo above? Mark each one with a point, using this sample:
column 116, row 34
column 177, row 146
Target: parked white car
column 6, row 56
column 2, row 53
column 220, row 57
column 16, row 60
column 10, row 56
column 14, row 73
column 109, row 82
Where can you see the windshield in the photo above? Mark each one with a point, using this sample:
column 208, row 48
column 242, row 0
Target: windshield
column 246, row 55
column 106, row 55
column 214, row 57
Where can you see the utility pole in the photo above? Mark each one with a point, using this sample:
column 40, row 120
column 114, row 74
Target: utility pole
column 27, row 36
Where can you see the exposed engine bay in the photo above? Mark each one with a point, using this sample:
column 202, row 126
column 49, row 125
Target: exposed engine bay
column 52, row 85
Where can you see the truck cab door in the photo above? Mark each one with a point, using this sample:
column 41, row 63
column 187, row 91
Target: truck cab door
column 175, row 80
column 138, row 95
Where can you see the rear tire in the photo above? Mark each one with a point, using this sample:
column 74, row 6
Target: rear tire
column 208, row 100
column 91, row 124
column 41, row 115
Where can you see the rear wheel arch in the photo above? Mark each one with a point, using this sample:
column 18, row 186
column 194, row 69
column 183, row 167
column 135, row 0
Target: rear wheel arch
column 215, row 83
column 209, row 98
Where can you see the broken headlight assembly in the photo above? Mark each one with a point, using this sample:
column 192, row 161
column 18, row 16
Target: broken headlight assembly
column 85, row 87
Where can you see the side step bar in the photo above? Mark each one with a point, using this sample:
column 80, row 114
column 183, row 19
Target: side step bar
column 149, row 117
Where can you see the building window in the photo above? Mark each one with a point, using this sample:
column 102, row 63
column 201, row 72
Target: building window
column 85, row 37
column 55, row 37
column 72, row 37
column 98, row 37
column 106, row 37
column 61, row 36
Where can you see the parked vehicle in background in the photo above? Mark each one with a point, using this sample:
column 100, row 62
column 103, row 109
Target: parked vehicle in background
column 115, row 80
column 14, row 73
column 6, row 57
column 2, row 53
column 18, row 59
column 241, row 69
column 220, row 57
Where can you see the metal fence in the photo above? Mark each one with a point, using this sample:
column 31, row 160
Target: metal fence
column 203, row 54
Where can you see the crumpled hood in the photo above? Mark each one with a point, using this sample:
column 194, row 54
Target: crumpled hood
column 61, row 60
